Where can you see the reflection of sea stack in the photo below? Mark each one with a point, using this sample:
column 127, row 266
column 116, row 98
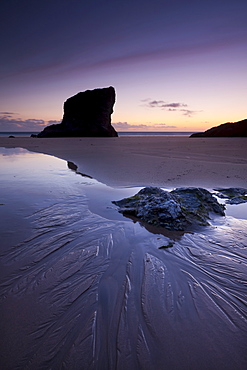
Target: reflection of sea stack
column 230, row 129
column 87, row 113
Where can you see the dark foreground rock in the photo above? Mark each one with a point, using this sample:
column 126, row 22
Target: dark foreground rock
column 230, row 129
column 179, row 209
column 233, row 195
column 87, row 114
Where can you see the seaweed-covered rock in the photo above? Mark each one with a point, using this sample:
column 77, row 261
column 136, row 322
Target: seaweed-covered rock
column 179, row 209
column 233, row 195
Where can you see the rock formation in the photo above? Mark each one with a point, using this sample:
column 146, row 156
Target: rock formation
column 230, row 129
column 180, row 209
column 232, row 195
column 87, row 113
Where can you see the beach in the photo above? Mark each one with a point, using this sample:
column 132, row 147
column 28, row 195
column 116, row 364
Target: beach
column 149, row 160
column 83, row 287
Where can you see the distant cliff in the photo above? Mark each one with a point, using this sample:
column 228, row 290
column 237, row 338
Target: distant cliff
column 87, row 113
column 230, row 129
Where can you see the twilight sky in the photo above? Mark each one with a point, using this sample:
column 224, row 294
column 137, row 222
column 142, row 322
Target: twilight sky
column 176, row 65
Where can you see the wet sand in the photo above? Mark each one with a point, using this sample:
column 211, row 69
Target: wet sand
column 87, row 289
column 143, row 161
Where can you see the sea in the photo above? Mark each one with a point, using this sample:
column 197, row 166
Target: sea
column 120, row 133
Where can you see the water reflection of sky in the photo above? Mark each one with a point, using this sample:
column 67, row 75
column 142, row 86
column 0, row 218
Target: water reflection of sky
column 40, row 173
column 33, row 178
column 237, row 210
column 32, row 181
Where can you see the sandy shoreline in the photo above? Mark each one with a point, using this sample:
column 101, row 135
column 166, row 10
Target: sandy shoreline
column 142, row 161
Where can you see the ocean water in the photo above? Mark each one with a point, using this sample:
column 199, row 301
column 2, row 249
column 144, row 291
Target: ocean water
column 160, row 133
column 18, row 133
column 82, row 287
column 155, row 133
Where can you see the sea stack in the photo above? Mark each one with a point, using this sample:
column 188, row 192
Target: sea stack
column 87, row 114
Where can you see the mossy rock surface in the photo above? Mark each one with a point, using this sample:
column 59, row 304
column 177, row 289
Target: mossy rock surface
column 232, row 195
column 175, row 210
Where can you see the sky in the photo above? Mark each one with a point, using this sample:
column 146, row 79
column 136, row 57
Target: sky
column 176, row 65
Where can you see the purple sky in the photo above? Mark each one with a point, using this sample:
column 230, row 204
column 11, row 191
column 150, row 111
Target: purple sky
column 175, row 65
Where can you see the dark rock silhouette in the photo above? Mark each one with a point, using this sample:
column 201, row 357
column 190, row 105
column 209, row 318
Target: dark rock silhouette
column 180, row 209
column 230, row 129
column 87, row 113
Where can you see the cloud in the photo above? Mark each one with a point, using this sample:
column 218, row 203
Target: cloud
column 124, row 126
column 8, row 113
column 169, row 107
column 162, row 104
column 174, row 105
column 53, row 122
column 7, row 123
column 188, row 113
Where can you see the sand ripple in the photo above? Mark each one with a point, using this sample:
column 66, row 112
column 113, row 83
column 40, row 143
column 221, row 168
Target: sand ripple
column 85, row 292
